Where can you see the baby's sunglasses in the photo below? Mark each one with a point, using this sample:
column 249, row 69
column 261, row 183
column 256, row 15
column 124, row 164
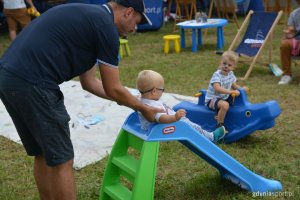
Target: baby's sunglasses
column 160, row 89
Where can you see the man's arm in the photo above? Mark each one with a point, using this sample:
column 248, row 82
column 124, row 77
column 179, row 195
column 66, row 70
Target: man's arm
column 92, row 84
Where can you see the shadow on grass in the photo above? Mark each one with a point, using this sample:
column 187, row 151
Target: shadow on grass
column 211, row 186
column 250, row 141
column 202, row 186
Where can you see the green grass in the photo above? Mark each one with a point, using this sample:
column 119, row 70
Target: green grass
column 181, row 175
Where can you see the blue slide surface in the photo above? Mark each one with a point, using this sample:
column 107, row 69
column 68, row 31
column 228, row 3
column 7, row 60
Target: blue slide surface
column 228, row 167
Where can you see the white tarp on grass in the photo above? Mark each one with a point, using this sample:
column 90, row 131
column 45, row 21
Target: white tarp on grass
column 94, row 124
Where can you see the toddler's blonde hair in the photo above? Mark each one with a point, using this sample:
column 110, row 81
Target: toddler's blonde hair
column 148, row 79
column 231, row 55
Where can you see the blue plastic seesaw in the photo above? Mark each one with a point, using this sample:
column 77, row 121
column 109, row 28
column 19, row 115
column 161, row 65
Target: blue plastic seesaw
column 242, row 118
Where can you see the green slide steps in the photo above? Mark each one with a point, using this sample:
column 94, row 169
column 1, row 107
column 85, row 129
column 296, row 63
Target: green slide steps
column 131, row 169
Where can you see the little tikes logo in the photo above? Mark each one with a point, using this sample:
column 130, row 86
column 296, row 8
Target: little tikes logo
column 169, row 130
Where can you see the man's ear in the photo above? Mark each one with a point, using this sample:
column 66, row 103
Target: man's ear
column 129, row 11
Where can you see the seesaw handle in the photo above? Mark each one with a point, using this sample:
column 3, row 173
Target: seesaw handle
column 198, row 94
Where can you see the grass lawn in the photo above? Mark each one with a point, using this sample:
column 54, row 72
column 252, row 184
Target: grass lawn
column 181, row 175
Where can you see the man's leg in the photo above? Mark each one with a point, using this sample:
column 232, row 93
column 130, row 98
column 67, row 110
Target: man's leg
column 55, row 182
column 11, row 22
column 12, row 34
column 49, row 135
column 23, row 17
column 285, row 56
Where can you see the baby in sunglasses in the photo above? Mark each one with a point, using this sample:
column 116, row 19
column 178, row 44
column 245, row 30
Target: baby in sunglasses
column 151, row 86
column 222, row 87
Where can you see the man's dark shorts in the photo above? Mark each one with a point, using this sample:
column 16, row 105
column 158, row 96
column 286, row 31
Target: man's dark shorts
column 40, row 117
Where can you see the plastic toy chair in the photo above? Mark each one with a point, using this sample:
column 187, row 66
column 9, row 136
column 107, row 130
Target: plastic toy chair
column 169, row 38
column 124, row 44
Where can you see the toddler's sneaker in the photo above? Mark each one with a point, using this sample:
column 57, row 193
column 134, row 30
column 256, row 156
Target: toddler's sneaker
column 219, row 133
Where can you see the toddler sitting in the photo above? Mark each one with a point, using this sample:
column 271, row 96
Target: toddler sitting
column 151, row 86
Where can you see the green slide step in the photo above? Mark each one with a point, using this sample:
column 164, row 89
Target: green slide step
column 129, row 176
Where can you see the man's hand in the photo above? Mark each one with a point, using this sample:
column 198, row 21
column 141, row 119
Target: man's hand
column 289, row 32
